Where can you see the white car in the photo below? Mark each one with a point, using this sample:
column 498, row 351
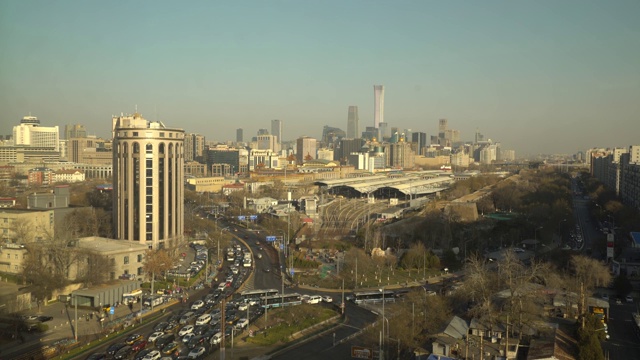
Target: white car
column 153, row 355
column 197, row 305
column 315, row 299
column 196, row 353
column 185, row 330
column 154, row 336
column 242, row 323
column 327, row 299
column 243, row 307
column 629, row 299
column 203, row 319
column 605, row 297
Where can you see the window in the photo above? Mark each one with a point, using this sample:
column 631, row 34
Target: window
column 16, row 257
column 126, row 260
column 139, row 258
column 139, row 271
column 8, row 256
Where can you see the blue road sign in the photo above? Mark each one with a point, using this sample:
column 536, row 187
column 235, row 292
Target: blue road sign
column 241, row 217
column 281, row 247
column 291, row 271
column 112, row 310
column 253, row 217
column 271, row 238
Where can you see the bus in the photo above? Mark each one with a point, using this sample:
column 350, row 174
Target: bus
column 283, row 300
column 131, row 297
column 257, row 294
column 363, row 297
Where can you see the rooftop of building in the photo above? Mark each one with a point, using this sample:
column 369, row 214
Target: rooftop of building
column 109, row 245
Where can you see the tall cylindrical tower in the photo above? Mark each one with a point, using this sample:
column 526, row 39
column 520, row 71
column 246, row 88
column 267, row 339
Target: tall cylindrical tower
column 378, row 105
column 148, row 182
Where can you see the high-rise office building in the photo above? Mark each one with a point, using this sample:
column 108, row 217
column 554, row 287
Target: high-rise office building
column 306, row 147
column 378, row 105
column 30, row 133
column 239, row 136
column 353, row 125
column 148, row 182
column 419, row 140
column 74, row 131
column 193, row 147
column 268, row 142
column 276, row 130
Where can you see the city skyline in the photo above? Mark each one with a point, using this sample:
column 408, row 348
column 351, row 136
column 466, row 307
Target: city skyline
column 540, row 77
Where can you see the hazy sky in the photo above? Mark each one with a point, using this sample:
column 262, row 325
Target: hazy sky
column 538, row 76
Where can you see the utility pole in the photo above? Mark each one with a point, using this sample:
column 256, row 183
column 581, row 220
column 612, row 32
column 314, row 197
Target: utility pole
column 223, row 319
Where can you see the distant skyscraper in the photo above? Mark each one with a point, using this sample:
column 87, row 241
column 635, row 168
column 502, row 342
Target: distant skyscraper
column 419, row 139
column 74, row 131
column 148, row 182
column 263, row 132
column 378, row 105
column 353, row 121
column 239, row 137
column 276, row 130
column 305, row 147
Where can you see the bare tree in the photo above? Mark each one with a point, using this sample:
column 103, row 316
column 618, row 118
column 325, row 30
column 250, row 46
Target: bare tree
column 587, row 273
column 23, row 230
column 157, row 262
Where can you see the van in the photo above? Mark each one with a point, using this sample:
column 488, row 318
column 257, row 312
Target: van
column 187, row 317
column 315, row 299
column 164, row 340
column 242, row 323
column 216, row 339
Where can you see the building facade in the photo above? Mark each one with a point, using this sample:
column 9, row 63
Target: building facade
column 276, row 130
column 306, row 148
column 148, row 182
column 378, row 105
column 353, row 123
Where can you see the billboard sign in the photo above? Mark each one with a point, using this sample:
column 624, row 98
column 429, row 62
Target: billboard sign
column 271, row 238
column 253, row 217
column 358, row 352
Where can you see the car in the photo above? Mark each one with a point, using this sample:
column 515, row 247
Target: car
column 197, row 305
column 186, row 338
column 113, row 348
column 196, row 353
column 29, row 317
column 196, row 341
column 629, row 299
column 133, row 338
column 605, row 297
column 142, row 353
column 327, row 299
column 618, row 301
column 164, row 340
column 188, row 329
column 160, row 326
column 243, row 307
column 153, row 355
column 123, row 353
column 170, row 348
column 203, row 319
column 44, row 318
column 258, row 243
column 267, row 270
column 314, row 299
column 154, row 336
column 139, row 345
column 242, row 323
column 171, row 327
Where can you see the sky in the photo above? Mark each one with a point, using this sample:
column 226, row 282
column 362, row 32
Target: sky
column 537, row 76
